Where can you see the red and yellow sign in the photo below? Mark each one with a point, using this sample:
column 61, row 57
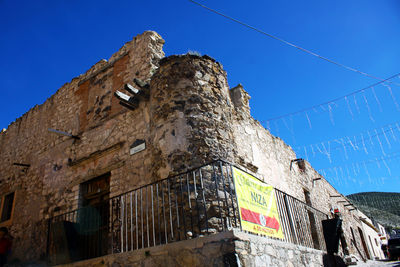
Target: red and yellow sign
column 257, row 205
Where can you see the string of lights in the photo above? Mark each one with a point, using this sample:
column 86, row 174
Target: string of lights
column 356, row 141
column 367, row 141
column 333, row 102
column 394, row 155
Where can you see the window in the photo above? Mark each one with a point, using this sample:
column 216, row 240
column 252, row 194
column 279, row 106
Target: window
column 372, row 247
column 302, row 165
column 307, row 197
column 6, row 207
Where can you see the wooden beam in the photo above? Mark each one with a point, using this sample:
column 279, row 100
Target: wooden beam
column 141, row 83
column 127, row 101
column 131, row 89
column 22, row 165
column 122, row 96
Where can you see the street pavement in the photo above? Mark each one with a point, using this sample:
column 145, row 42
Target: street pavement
column 378, row 264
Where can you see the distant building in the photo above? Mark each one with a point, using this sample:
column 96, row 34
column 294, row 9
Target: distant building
column 372, row 237
column 83, row 174
column 382, row 233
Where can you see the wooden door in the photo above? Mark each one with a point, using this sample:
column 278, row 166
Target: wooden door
column 94, row 219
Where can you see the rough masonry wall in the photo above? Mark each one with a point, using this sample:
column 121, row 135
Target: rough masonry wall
column 199, row 252
column 191, row 114
column 226, row 249
column 269, row 158
column 58, row 164
column 197, row 119
column 191, row 118
column 255, row 251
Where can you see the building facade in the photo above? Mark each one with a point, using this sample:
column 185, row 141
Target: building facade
column 373, row 237
column 86, row 145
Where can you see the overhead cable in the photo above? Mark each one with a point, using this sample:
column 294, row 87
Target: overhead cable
column 287, row 43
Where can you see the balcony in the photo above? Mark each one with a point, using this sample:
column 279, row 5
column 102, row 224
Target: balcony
column 197, row 203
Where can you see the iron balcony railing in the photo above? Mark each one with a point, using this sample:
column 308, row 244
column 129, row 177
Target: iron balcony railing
column 199, row 202
column 301, row 223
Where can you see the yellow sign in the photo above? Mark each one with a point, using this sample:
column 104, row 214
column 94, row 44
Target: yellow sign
column 257, row 205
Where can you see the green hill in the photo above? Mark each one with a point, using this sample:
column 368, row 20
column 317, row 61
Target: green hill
column 384, row 208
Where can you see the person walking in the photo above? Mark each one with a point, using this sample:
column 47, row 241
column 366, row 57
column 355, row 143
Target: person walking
column 385, row 250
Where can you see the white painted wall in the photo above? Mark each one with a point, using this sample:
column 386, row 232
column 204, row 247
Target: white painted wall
column 372, row 237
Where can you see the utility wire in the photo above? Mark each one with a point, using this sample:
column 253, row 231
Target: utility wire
column 286, row 42
column 306, row 51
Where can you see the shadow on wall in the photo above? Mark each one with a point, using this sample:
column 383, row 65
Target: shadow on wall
column 333, row 261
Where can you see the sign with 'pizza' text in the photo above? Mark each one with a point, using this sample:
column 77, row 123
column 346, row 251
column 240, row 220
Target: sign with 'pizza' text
column 257, row 205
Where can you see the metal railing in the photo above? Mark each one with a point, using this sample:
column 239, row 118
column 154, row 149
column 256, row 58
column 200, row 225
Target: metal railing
column 185, row 206
column 301, row 223
column 199, row 202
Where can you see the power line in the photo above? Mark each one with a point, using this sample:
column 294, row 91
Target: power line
column 286, row 42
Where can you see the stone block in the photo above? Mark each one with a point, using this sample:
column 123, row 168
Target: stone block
column 290, row 254
column 211, row 249
column 188, row 258
column 253, row 249
column 270, row 250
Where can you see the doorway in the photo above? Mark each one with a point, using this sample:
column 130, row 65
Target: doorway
column 364, row 243
column 94, row 216
column 312, row 221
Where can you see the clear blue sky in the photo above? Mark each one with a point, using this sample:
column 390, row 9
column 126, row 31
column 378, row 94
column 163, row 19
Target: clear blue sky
column 46, row 43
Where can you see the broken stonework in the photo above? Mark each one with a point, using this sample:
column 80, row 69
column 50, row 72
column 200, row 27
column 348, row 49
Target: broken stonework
column 184, row 116
column 192, row 114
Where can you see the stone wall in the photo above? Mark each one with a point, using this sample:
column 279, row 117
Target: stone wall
column 226, row 249
column 87, row 108
column 190, row 117
column 191, row 114
column 255, row 251
column 212, row 250
column 270, row 159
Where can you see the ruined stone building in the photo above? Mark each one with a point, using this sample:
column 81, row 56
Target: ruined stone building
column 87, row 145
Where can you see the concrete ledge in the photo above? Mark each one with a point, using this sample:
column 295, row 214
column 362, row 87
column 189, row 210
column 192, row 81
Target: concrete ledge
column 263, row 251
column 230, row 248
column 202, row 251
